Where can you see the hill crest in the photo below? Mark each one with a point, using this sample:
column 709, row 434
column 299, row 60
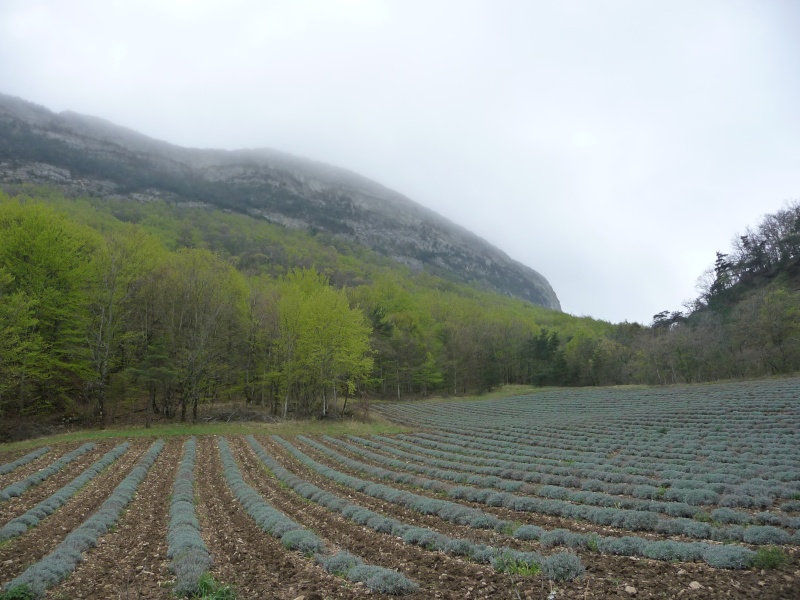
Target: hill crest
column 87, row 155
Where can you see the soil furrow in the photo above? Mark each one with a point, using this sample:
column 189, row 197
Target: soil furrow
column 439, row 575
column 606, row 576
column 13, row 507
column 514, row 516
column 484, row 536
column 32, row 545
column 23, row 471
column 252, row 561
column 131, row 561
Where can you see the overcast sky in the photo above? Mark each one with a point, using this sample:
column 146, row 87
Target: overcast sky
column 613, row 146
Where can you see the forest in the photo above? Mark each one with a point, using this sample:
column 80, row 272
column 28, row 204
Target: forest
column 111, row 306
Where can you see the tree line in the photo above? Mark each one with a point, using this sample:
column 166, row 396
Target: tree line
column 108, row 306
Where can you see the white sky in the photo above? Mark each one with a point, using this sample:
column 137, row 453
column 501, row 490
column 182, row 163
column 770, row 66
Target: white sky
column 613, row 146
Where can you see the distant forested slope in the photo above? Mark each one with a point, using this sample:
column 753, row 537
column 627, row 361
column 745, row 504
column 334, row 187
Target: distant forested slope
column 109, row 306
column 117, row 303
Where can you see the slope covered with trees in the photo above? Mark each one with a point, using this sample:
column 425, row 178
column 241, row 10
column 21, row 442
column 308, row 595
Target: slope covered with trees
column 125, row 304
column 110, row 306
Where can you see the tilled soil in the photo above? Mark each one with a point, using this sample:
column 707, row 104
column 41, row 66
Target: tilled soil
column 439, row 575
column 532, row 486
column 131, row 561
column 252, row 561
column 34, row 544
column 33, row 466
column 14, row 507
column 486, row 536
column 606, row 576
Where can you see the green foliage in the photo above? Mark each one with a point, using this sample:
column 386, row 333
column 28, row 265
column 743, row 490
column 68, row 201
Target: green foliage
column 18, row 592
column 45, row 269
column 769, row 557
column 169, row 307
column 323, row 343
column 209, row 589
column 518, row 563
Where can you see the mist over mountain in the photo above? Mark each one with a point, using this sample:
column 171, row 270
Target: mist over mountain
column 85, row 155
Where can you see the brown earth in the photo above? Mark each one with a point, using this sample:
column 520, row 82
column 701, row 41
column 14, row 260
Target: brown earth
column 34, row 544
column 253, row 562
column 607, row 576
column 130, row 562
column 14, row 507
column 439, row 575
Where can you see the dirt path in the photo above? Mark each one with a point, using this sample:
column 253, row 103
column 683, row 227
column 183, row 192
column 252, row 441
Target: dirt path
column 131, row 561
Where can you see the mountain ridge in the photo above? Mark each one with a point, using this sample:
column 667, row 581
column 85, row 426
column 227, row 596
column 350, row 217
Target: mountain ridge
column 84, row 154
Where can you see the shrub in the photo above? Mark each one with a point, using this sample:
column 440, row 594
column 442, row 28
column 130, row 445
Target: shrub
column 562, row 567
column 458, row 547
column 736, row 500
column 791, row 506
column 19, row 487
column 57, row 565
column 340, row 563
column 767, row 518
column 31, row 456
column 637, row 520
column 696, row 530
column 191, row 559
column 18, row 592
column 765, row 534
column 700, row 496
column 769, row 558
column 381, row 580
column 665, row 550
column 426, row 538
column 528, row 532
column 482, row 554
column 728, row 557
column 554, row 537
column 727, row 515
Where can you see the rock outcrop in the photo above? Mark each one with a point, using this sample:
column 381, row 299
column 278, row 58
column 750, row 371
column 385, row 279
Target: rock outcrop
column 89, row 156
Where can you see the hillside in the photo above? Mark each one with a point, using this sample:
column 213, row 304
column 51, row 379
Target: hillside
column 85, row 155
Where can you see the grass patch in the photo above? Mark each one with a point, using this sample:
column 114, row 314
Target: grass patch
column 209, row 589
column 375, row 426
